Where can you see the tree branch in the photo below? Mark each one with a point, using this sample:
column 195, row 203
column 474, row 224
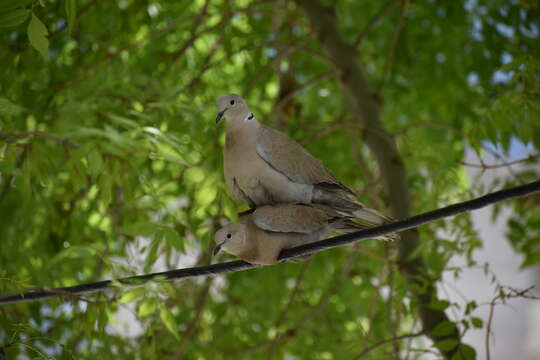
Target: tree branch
column 511, row 293
column 505, row 164
column 192, row 326
column 365, row 109
column 286, row 309
column 373, row 22
column 392, row 50
column 387, row 341
column 233, row 266
column 10, row 137
column 85, row 72
column 80, row 13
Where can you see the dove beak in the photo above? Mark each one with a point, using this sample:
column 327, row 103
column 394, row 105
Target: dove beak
column 220, row 115
column 217, row 248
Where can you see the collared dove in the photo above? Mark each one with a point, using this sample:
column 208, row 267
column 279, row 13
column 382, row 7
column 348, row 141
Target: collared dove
column 261, row 234
column 263, row 166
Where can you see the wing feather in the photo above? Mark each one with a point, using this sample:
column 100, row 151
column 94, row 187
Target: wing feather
column 290, row 158
column 294, row 218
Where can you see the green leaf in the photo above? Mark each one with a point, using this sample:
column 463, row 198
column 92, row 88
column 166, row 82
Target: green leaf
column 168, row 319
column 439, row 304
column 133, row 294
column 78, row 252
column 14, row 17
column 8, row 108
column 71, row 12
column 471, row 305
column 477, row 322
column 171, row 238
column 6, row 5
column 464, row 352
column 147, row 307
column 143, row 227
column 105, row 189
column 444, row 328
column 446, row 344
column 152, row 255
column 37, row 34
column 95, row 163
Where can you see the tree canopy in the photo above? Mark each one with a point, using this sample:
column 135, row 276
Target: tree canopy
column 111, row 165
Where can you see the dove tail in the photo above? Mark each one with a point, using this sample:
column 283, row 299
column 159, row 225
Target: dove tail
column 341, row 200
column 335, row 198
column 375, row 218
column 345, row 225
column 371, row 216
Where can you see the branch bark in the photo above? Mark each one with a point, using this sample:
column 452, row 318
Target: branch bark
column 364, row 108
column 387, row 341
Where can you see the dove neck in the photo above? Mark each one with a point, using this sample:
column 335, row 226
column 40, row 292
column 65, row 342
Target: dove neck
column 241, row 126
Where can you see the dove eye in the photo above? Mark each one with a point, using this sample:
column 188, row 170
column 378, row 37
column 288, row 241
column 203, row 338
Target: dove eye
column 229, row 236
column 232, row 102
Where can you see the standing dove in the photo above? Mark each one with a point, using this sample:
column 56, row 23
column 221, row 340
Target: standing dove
column 263, row 166
column 262, row 233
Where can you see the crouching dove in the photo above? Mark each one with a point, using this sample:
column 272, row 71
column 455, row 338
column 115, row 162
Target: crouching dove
column 261, row 234
column 263, row 166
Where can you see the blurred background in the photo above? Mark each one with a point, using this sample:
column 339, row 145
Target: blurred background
column 111, row 165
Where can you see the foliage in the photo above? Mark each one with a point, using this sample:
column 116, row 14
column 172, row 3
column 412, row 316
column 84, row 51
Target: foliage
column 110, row 165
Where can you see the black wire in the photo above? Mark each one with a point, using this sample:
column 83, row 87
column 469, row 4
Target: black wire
column 232, row 266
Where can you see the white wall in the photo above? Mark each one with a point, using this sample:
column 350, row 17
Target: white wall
column 516, row 325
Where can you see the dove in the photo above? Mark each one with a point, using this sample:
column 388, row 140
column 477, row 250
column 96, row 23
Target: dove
column 263, row 166
column 262, row 233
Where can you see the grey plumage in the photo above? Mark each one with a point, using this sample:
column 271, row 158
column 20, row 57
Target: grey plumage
column 261, row 234
column 263, row 166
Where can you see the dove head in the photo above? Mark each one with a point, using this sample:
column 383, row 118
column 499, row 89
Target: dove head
column 230, row 238
column 232, row 107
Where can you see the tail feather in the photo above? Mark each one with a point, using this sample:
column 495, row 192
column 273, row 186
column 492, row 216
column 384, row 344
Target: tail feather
column 334, row 198
column 340, row 201
column 345, row 225
column 371, row 216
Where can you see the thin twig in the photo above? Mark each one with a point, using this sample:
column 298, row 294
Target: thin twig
column 190, row 330
column 371, row 179
column 394, row 319
column 312, row 82
column 194, row 35
column 510, row 169
column 293, row 294
column 270, row 64
column 513, row 293
column 110, row 57
column 287, row 307
column 372, row 253
column 15, row 136
column 392, row 50
column 80, row 13
column 496, row 166
column 204, row 66
column 488, row 326
column 334, row 125
column 291, row 332
column 373, row 22
column 387, row 341
column 6, row 180
column 428, row 124
column 311, row 52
